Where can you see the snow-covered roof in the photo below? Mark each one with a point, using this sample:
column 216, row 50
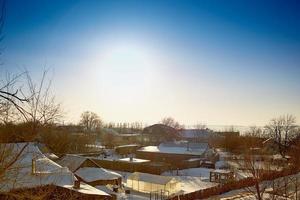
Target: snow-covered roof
column 134, row 160
column 151, row 178
column 90, row 174
column 128, row 145
column 87, row 189
column 73, row 162
column 21, row 174
column 194, row 133
column 51, row 156
column 222, row 171
column 177, row 148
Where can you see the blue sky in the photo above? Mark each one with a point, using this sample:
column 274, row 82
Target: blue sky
column 217, row 62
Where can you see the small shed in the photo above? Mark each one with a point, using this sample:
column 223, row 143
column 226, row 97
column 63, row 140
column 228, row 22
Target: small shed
column 221, row 176
column 149, row 183
column 98, row 176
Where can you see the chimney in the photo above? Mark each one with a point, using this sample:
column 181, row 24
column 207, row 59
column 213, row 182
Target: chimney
column 33, row 168
column 76, row 184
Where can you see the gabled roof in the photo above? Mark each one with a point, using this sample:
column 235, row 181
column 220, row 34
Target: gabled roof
column 89, row 174
column 73, row 162
column 19, row 175
column 151, row 178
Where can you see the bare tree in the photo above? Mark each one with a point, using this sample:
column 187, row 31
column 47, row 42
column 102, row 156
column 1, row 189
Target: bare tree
column 254, row 169
column 170, row 121
column 282, row 130
column 90, row 121
column 200, row 126
column 254, row 131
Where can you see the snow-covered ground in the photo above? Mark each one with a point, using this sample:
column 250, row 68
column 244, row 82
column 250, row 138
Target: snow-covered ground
column 122, row 196
column 249, row 193
column 190, row 180
column 190, row 184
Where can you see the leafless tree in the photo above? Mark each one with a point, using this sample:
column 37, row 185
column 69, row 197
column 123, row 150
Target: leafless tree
column 282, row 130
column 200, row 126
column 253, row 168
column 254, row 131
column 90, row 121
column 170, row 121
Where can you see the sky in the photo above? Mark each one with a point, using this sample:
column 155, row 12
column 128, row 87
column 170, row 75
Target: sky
column 214, row 62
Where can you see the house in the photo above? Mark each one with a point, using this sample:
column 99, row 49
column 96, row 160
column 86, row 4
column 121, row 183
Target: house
column 196, row 135
column 98, row 176
column 149, row 183
column 127, row 149
column 178, row 154
column 74, row 162
column 30, row 169
column 89, row 171
column 158, row 133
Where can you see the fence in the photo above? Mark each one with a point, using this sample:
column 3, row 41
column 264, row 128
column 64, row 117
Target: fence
column 220, row 189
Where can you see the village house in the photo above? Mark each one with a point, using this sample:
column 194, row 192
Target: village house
column 98, row 176
column 88, row 171
column 196, row 135
column 32, row 170
column 180, row 154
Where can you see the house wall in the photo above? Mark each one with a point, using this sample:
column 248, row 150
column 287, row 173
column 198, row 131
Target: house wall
column 106, row 182
column 132, row 166
column 175, row 160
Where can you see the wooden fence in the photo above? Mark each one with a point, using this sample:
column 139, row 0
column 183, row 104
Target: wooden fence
column 223, row 188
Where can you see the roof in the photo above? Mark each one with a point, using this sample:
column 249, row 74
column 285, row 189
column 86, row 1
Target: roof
column 193, row 133
column 134, row 160
column 127, row 146
column 19, row 175
column 73, row 162
column 177, row 148
column 222, row 171
column 90, row 174
column 151, row 178
column 51, row 156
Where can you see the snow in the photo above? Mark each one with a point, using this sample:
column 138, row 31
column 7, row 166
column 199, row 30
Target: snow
column 128, row 145
column 175, row 149
column 73, row 162
column 122, row 196
column 221, row 164
column 195, row 172
column 150, row 178
column 90, row 174
column 51, row 156
column 46, row 172
column 245, row 195
column 135, row 160
column 190, row 184
column 222, row 171
column 87, row 189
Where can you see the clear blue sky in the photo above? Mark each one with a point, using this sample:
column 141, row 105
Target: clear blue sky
column 217, row 62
